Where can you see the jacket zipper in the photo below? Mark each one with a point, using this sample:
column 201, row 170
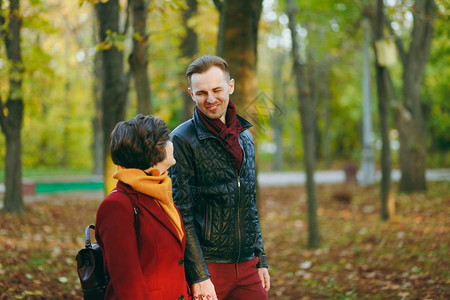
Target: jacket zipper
column 239, row 204
column 238, row 217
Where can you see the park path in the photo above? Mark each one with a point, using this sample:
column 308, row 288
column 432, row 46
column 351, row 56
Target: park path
column 265, row 179
column 299, row 178
column 274, row 179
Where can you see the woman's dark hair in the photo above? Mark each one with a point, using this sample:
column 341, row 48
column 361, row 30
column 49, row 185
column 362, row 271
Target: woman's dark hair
column 204, row 63
column 139, row 142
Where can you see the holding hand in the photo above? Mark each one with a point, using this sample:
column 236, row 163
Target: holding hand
column 204, row 290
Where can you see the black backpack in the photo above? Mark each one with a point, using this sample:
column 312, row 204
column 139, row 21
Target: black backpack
column 90, row 263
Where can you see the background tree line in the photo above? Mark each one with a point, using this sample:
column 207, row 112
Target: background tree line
column 69, row 71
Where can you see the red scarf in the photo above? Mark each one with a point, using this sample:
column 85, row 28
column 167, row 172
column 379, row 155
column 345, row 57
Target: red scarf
column 228, row 133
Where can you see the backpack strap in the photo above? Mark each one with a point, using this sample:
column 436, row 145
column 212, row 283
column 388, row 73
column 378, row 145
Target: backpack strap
column 87, row 236
column 135, row 209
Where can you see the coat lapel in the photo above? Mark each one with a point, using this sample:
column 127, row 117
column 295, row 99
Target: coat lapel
column 150, row 205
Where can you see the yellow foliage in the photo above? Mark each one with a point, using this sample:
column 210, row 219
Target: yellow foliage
column 138, row 37
column 120, row 45
column 80, row 2
column 104, row 46
column 110, row 168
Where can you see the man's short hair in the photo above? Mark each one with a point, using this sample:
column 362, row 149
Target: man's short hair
column 204, row 63
column 139, row 142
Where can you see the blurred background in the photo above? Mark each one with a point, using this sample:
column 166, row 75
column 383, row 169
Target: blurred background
column 71, row 96
column 351, row 112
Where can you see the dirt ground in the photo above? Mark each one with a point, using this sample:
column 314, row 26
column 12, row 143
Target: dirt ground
column 360, row 256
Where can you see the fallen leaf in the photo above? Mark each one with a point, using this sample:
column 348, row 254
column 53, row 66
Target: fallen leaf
column 306, row 265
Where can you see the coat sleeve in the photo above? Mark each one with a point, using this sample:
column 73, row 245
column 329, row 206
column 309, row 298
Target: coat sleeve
column 259, row 248
column 116, row 236
column 183, row 181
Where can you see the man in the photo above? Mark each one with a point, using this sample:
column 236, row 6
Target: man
column 214, row 189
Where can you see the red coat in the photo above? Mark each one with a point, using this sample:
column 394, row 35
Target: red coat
column 152, row 267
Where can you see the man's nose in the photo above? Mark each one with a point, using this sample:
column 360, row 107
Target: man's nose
column 210, row 97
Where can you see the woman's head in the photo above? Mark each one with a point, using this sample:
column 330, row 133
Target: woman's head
column 140, row 142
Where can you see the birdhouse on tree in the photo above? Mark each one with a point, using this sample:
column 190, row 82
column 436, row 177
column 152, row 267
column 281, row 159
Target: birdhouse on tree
column 386, row 52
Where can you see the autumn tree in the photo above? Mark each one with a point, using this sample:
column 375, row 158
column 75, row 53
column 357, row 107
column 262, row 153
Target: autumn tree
column 382, row 73
column 11, row 114
column 237, row 44
column 436, row 90
column 139, row 57
column 325, row 97
column 189, row 48
column 115, row 83
column 307, row 115
column 409, row 115
column 278, row 119
column 97, row 132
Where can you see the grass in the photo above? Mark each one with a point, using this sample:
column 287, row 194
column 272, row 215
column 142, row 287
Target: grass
column 42, row 172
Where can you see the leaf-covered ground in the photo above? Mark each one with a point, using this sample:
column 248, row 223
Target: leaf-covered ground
column 361, row 257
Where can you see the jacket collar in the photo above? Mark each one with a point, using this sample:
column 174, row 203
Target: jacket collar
column 150, row 205
column 203, row 132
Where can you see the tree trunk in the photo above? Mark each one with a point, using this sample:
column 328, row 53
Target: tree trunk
column 324, row 90
column 412, row 154
column 67, row 113
column 13, row 201
column 311, row 69
column 139, row 56
column 410, row 116
column 12, row 123
column 237, row 44
column 306, row 107
column 114, row 86
column 277, row 119
column 383, row 111
column 189, row 48
column 97, row 143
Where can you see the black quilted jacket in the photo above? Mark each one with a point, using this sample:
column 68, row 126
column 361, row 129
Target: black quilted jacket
column 217, row 204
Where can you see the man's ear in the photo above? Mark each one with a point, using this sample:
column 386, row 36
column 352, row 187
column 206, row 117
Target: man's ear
column 231, row 84
column 192, row 94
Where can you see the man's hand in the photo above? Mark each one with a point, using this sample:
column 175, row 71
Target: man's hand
column 204, row 290
column 265, row 278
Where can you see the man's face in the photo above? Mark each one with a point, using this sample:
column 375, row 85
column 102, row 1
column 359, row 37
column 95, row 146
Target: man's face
column 211, row 91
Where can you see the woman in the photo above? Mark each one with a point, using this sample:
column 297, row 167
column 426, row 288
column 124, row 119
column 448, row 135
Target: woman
column 146, row 263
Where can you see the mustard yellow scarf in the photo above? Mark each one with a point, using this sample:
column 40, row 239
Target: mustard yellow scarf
column 156, row 186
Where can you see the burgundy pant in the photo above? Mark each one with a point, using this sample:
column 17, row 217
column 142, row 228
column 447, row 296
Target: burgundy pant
column 237, row 281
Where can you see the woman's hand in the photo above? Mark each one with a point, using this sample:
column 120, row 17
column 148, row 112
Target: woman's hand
column 204, row 290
